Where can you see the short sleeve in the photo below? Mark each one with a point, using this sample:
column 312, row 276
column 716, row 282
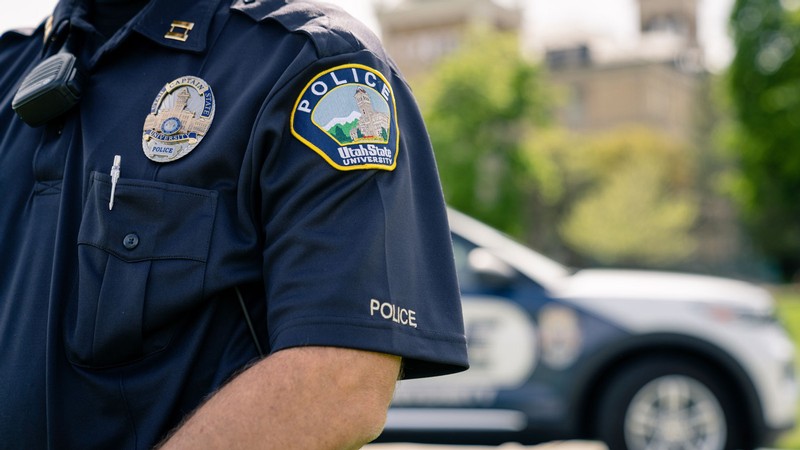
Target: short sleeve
column 357, row 249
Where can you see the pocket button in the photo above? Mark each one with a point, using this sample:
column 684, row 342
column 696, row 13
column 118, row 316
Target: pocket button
column 130, row 241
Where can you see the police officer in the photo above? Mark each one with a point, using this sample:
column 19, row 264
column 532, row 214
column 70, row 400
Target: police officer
column 221, row 227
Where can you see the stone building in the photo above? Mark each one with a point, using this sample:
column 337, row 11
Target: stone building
column 653, row 83
column 417, row 33
column 372, row 125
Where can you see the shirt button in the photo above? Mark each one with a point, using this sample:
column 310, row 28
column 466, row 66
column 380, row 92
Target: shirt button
column 130, row 241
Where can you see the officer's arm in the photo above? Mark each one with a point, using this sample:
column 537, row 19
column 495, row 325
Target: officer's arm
column 300, row 398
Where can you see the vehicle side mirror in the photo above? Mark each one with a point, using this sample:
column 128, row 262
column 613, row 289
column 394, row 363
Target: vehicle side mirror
column 491, row 271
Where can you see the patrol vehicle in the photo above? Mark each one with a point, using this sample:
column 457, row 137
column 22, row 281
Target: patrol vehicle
column 639, row 360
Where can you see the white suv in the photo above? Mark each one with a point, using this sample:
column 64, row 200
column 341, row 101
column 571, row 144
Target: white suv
column 640, row 360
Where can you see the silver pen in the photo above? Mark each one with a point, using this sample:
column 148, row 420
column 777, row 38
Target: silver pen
column 114, row 179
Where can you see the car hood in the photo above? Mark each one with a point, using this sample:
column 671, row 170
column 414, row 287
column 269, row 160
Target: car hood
column 662, row 286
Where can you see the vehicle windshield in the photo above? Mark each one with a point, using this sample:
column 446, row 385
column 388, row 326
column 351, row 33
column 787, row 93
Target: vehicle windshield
column 550, row 274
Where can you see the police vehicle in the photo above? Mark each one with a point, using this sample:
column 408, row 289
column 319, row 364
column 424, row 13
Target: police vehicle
column 639, row 360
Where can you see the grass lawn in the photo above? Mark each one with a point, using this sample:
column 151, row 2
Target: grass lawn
column 789, row 313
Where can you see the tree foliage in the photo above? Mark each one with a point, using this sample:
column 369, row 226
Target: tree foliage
column 764, row 83
column 481, row 106
column 624, row 197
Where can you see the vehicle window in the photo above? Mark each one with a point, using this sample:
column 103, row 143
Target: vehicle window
column 467, row 278
column 473, row 281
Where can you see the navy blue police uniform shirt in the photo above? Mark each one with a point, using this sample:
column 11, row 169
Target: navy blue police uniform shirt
column 268, row 149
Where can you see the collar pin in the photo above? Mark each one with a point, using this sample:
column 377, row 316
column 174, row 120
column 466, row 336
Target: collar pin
column 179, row 30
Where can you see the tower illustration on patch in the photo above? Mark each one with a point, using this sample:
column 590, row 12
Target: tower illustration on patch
column 347, row 115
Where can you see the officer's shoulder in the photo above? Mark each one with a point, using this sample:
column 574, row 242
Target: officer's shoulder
column 17, row 34
column 12, row 42
column 329, row 27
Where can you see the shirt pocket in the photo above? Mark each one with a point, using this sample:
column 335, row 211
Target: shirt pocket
column 141, row 268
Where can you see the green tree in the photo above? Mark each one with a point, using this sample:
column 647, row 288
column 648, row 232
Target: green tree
column 482, row 104
column 340, row 135
column 764, row 83
column 624, row 197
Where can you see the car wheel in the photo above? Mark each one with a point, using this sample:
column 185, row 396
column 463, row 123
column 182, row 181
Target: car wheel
column 667, row 404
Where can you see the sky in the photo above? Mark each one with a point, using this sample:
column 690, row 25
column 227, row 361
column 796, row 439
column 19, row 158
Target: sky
column 547, row 20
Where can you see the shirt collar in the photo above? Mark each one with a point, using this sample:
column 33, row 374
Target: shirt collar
column 179, row 24
column 57, row 25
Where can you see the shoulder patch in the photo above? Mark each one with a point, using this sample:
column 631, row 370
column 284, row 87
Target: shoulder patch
column 348, row 116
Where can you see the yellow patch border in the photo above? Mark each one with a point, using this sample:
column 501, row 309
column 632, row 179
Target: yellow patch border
column 321, row 152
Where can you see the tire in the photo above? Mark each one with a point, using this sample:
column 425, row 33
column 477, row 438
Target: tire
column 668, row 404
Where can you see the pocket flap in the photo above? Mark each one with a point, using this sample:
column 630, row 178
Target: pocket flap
column 150, row 220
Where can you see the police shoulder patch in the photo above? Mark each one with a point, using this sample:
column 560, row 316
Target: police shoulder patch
column 348, row 116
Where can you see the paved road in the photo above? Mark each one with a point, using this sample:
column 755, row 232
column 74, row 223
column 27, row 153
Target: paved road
column 565, row 445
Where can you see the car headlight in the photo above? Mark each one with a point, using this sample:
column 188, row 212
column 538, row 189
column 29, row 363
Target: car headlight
column 729, row 314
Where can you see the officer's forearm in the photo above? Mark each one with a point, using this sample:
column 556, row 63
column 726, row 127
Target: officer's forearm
column 303, row 398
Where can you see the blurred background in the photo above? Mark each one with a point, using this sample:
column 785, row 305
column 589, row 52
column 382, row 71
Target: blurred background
column 644, row 134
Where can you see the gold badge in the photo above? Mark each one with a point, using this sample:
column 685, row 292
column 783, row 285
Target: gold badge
column 179, row 118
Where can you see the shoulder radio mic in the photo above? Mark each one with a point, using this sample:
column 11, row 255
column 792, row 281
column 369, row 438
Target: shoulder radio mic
column 51, row 89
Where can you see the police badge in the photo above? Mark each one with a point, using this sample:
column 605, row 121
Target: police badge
column 179, row 118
